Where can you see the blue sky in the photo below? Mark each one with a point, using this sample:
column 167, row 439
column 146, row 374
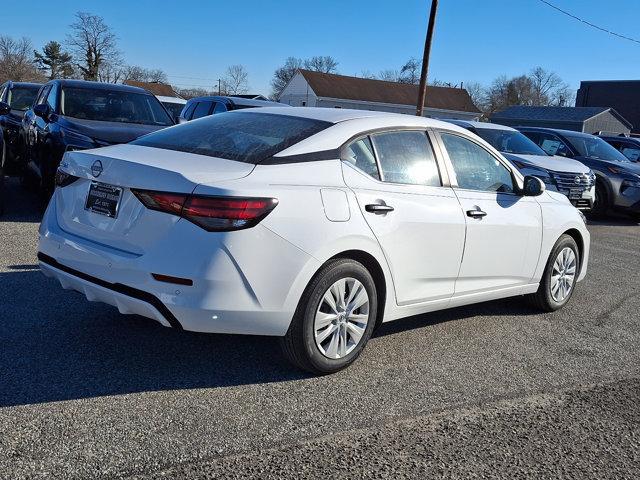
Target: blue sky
column 475, row 40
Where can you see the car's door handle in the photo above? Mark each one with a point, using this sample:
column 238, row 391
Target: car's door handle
column 477, row 213
column 378, row 208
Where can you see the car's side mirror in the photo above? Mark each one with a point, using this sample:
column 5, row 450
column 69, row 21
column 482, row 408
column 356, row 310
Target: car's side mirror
column 43, row 111
column 533, row 186
column 5, row 109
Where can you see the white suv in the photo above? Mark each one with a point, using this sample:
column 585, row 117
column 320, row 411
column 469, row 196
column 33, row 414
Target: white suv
column 311, row 224
column 565, row 175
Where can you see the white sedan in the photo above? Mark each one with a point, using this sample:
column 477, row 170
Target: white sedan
column 311, row 224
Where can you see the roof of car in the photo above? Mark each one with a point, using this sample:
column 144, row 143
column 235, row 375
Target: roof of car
column 472, row 124
column 620, row 138
column 556, row 130
column 25, row 84
column 337, row 115
column 117, row 87
column 237, row 101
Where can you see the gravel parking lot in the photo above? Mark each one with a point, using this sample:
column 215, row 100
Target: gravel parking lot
column 491, row 390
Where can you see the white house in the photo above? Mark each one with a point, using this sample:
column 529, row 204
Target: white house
column 316, row 89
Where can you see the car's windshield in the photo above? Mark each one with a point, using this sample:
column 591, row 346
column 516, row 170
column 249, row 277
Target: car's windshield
column 21, row 97
column 113, row 106
column 173, row 108
column 508, row 141
column 594, row 147
column 242, row 136
column 631, row 152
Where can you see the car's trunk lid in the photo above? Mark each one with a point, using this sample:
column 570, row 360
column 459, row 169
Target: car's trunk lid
column 128, row 167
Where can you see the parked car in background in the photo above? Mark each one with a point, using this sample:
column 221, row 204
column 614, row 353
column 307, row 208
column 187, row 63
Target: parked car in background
column 312, row 224
column 79, row 115
column 4, row 110
column 617, row 178
column 174, row 105
column 199, row 107
column 19, row 96
column 628, row 146
column 560, row 174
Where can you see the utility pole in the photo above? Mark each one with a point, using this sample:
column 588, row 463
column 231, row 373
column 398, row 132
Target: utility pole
column 422, row 91
column 219, row 93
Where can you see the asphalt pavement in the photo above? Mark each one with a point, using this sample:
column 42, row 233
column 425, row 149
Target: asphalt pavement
column 494, row 390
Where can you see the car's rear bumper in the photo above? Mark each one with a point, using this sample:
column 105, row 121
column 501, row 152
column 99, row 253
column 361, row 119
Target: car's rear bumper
column 245, row 282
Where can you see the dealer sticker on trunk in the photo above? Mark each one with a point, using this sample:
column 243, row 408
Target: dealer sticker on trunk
column 103, row 199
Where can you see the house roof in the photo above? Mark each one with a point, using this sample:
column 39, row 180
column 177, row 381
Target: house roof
column 156, row 88
column 380, row 91
column 555, row 114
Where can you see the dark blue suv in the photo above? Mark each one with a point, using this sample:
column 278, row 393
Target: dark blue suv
column 79, row 115
column 204, row 106
column 617, row 178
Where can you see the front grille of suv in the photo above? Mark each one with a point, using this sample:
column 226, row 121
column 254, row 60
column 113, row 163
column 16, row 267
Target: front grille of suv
column 573, row 181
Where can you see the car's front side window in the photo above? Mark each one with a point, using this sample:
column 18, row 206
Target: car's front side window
column 475, row 167
column 202, row 110
column 360, row 153
column 407, row 157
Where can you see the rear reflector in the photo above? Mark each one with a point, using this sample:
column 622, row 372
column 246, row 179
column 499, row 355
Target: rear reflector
column 169, row 279
column 214, row 214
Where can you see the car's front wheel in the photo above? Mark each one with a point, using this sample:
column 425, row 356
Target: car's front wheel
column 334, row 319
column 560, row 276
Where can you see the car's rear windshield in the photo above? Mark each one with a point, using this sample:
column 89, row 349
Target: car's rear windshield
column 21, row 97
column 113, row 106
column 243, row 136
column 595, row 147
column 508, row 141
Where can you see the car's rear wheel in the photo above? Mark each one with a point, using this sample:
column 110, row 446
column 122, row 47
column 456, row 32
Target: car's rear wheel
column 334, row 319
column 560, row 276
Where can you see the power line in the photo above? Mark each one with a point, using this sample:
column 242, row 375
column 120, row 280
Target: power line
column 589, row 23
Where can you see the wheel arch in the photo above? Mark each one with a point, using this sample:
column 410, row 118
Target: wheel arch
column 577, row 236
column 376, row 271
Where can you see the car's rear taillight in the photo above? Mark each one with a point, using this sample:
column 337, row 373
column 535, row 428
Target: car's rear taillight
column 214, row 214
column 62, row 179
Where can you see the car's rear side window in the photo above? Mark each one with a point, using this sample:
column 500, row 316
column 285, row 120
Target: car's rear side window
column 242, row 136
column 202, row 110
column 360, row 153
column 407, row 157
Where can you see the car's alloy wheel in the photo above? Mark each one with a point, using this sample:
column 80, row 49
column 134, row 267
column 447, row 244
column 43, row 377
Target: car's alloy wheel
column 341, row 318
column 334, row 320
column 563, row 274
column 560, row 275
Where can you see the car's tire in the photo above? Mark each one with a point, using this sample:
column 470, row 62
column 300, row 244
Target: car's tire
column 602, row 203
column 560, row 276
column 322, row 339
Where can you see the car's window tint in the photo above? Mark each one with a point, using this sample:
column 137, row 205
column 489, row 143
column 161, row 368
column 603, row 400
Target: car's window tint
column 595, row 147
column 475, row 167
column 21, row 97
column 219, row 108
column 632, row 153
column 174, row 109
column 551, row 144
column 242, row 136
column 188, row 111
column 508, row 141
column 202, row 110
column 113, row 106
column 406, row 157
column 360, row 153
column 42, row 95
column 52, row 98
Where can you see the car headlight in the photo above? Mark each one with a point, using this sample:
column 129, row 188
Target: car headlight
column 76, row 140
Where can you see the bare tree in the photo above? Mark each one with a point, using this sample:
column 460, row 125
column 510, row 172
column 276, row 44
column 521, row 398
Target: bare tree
column 548, row 88
column 54, row 62
column 92, row 40
column 389, row 75
column 410, row 71
column 478, row 94
column 141, row 74
column 324, row 64
column 284, row 74
column 17, row 61
column 188, row 93
column 236, row 80
column 364, row 73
